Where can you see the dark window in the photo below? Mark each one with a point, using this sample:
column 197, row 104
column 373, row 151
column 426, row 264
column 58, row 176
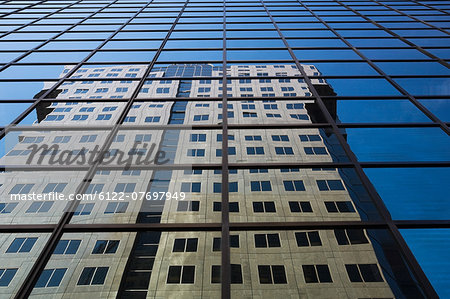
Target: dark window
column 271, row 274
column 260, row 186
column 294, row 186
column 236, row 274
column 339, row 207
column 306, row 138
column 267, row 240
column 232, row 187
column 21, row 245
column 198, row 137
column 188, row 206
column 300, row 206
column 93, row 276
column 316, row 273
column 350, row 236
column 315, row 151
column 305, row 239
column 252, row 150
column 234, row 242
column 286, row 150
column 363, row 273
column 191, row 187
column 185, row 245
column 233, row 207
column 330, row 185
column 280, row 138
column 50, row 278
column 6, row 275
column 184, row 273
column 67, row 247
column 264, row 206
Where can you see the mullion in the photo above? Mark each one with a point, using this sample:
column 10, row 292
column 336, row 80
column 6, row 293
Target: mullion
column 211, row 226
column 236, row 78
column 359, row 171
column 242, row 166
column 339, row 125
column 231, row 126
column 225, row 270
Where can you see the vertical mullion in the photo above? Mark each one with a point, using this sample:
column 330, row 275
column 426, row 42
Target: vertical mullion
column 225, row 234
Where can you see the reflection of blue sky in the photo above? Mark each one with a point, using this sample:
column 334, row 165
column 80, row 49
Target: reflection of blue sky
column 409, row 193
column 413, row 193
column 19, row 90
column 8, row 113
column 399, row 144
column 431, row 248
column 440, row 108
column 379, row 111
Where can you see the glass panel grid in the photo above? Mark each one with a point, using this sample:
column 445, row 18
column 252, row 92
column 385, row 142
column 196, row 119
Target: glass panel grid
column 395, row 57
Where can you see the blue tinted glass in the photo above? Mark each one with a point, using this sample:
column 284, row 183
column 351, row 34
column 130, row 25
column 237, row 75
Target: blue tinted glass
column 86, row 276
column 100, row 246
column 399, row 144
column 73, row 246
column 217, row 187
column 112, row 246
column 196, row 187
column 43, row 279
column 430, row 247
column 360, row 111
column 413, row 193
column 57, row 277
column 288, row 185
column 440, row 108
column 61, row 247
column 15, row 245
column 28, row 244
column 8, row 275
column 100, row 275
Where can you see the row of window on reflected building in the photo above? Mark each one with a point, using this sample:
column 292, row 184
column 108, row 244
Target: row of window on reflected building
column 268, row 274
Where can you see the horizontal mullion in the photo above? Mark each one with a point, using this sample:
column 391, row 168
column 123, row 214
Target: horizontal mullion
column 244, row 226
column 235, row 99
column 214, row 166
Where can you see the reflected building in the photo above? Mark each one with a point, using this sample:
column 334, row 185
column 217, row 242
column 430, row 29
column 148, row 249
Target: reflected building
column 328, row 263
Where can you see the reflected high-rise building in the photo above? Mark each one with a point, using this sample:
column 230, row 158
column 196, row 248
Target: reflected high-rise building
column 326, row 263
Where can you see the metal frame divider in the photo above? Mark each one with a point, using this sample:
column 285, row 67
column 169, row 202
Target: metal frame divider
column 393, row 226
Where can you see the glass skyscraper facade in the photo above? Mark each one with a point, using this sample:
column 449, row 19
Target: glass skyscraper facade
column 233, row 149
